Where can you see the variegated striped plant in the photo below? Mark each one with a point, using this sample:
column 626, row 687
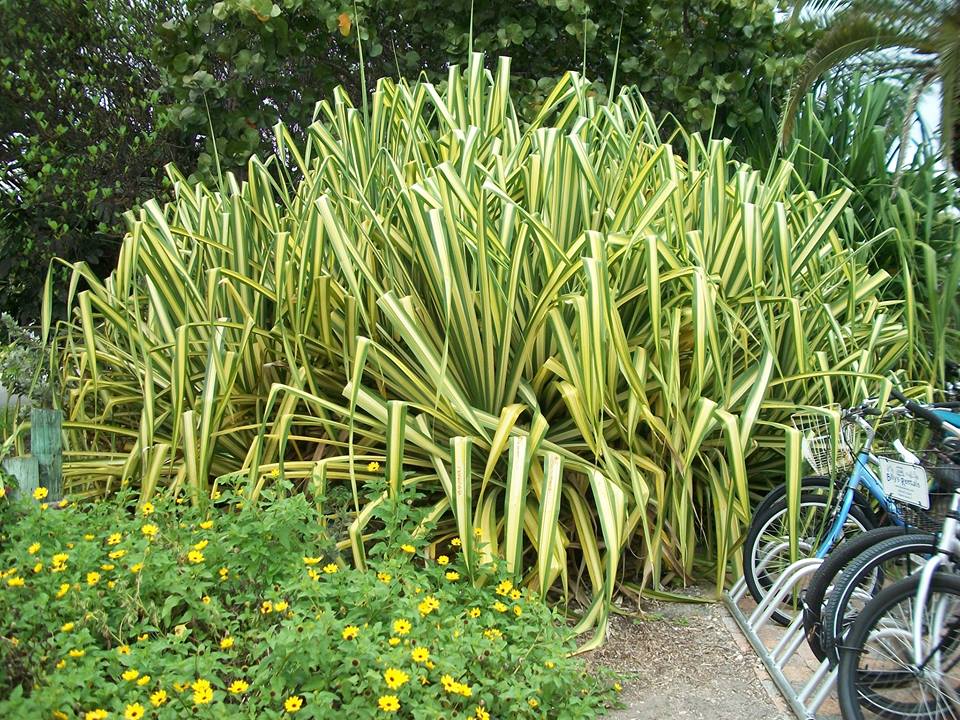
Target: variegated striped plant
column 577, row 345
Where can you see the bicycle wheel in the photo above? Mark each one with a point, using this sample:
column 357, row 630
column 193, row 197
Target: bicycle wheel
column 823, row 581
column 878, row 675
column 876, row 568
column 766, row 552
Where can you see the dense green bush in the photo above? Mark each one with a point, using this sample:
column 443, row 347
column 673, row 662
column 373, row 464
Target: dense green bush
column 256, row 62
column 83, row 136
column 241, row 611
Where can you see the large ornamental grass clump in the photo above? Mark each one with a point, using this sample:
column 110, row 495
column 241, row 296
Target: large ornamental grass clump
column 570, row 341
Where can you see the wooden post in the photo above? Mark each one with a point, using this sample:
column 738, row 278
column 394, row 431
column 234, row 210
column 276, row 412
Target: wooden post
column 26, row 470
column 46, row 444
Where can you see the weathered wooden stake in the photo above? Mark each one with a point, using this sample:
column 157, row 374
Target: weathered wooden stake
column 46, row 444
column 26, row 470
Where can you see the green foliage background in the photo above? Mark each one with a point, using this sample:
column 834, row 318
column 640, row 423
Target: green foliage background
column 97, row 96
column 83, row 134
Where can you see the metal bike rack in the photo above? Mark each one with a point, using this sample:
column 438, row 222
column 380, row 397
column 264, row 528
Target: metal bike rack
column 806, row 700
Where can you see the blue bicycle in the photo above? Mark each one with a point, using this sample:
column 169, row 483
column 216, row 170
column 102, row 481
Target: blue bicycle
column 827, row 513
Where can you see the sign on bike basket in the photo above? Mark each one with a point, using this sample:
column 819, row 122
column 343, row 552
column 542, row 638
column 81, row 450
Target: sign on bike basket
column 905, row 482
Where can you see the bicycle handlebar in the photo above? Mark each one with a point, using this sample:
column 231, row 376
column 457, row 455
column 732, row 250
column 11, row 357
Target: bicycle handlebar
column 918, row 410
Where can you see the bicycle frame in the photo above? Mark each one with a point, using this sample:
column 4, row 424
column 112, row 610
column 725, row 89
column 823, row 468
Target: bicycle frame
column 947, row 549
column 862, row 476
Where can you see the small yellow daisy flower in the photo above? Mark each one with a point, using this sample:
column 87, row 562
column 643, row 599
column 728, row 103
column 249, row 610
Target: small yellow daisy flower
column 40, row 493
column 389, row 703
column 293, row 704
column 350, row 632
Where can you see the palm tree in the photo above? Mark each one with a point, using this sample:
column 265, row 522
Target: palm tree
column 918, row 40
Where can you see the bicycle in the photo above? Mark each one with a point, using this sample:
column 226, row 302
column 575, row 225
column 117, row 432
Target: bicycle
column 766, row 549
column 901, row 657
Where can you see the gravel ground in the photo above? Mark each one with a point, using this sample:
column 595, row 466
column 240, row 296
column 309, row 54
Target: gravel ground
column 685, row 660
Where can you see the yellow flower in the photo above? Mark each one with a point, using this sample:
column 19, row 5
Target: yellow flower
column 293, row 703
column 474, row 612
column 393, row 642
column 330, row 568
column 311, row 560
column 533, row 702
column 226, row 643
column 389, row 703
column 59, row 715
column 205, row 599
column 61, row 664
column 517, row 610
column 224, row 573
column 313, row 574
column 111, row 584
column 617, row 687
column 452, row 575
column 550, row 664
column 215, row 495
column 384, row 577
column 89, row 536
column 66, row 627
column 77, row 653
column 149, row 530
column 180, row 687
column 492, row 633
column 64, row 589
column 114, row 539
column 93, row 578
column 206, row 524
column 141, row 638
column 143, row 680
column 123, row 650
column 3, row 491
column 499, row 607
column 98, row 714
column 443, row 560
column 133, row 712
column 481, row 713
column 395, row 678
column 202, row 692
column 15, row 581
column 117, row 554
column 280, row 606
column 60, row 559
column 34, row 549
column 136, row 567
column 428, row 605
column 40, row 493
column 420, row 654
column 38, row 568
column 275, row 473
column 195, row 557
column 410, row 549
column 515, row 594
column 158, row 698
column 266, row 607
column 350, row 632
column 373, row 466
column 107, row 567
column 402, row 626
column 44, row 506
column 131, row 675
column 238, row 687
column 477, row 533
column 201, row 545
column 147, row 508
column 504, row 588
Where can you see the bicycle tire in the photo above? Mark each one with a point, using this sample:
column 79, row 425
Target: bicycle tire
column 859, row 691
column 815, row 597
column 838, row 615
column 758, row 584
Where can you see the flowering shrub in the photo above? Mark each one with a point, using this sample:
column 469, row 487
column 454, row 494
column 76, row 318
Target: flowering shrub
column 170, row 611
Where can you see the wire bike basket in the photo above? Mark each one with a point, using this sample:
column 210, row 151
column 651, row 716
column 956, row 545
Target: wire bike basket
column 821, row 431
